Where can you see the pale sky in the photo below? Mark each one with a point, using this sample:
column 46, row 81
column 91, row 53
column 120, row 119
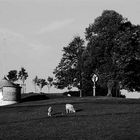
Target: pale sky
column 34, row 32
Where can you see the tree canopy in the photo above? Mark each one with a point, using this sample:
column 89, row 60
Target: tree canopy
column 112, row 51
column 41, row 83
column 12, row 75
column 69, row 70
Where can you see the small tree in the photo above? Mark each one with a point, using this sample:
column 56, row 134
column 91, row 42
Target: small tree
column 22, row 75
column 41, row 83
column 49, row 83
column 12, row 75
column 35, row 81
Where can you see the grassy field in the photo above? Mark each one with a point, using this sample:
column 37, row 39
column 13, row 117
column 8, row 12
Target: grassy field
column 98, row 118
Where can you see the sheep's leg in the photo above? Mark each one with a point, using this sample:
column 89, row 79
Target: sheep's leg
column 66, row 111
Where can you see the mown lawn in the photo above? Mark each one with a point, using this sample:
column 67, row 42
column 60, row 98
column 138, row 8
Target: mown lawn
column 95, row 119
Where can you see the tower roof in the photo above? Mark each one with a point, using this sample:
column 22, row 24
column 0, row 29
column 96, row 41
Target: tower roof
column 6, row 83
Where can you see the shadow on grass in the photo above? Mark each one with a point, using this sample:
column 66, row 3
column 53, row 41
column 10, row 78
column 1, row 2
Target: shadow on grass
column 64, row 114
column 34, row 98
column 79, row 110
column 57, row 113
column 39, row 96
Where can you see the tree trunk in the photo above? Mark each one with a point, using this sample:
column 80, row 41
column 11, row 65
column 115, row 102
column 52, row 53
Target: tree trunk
column 48, row 89
column 110, row 84
column 40, row 88
column 23, row 85
column 118, row 87
column 23, row 88
column 80, row 93
column 35, row 88
column 109, row 92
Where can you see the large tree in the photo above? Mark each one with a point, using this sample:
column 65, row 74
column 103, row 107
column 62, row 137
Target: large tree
column 127, row 55
column 114, row 51
column 69, row 71
column 101, row 41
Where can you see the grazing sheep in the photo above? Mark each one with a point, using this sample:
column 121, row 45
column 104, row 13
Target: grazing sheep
column 70, row 108
column 50, row 111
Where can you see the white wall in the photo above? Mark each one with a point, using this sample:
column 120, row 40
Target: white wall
column 133, row 95
column 1, row 95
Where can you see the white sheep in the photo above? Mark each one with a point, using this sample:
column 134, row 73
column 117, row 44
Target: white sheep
column 68, row 95
column 50, row 111
column 70, row 108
